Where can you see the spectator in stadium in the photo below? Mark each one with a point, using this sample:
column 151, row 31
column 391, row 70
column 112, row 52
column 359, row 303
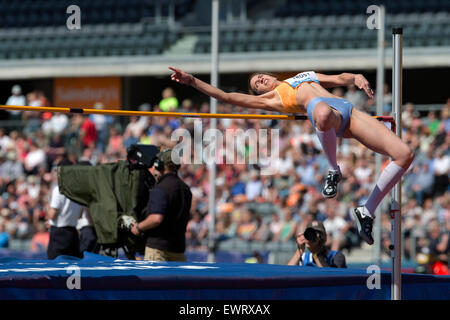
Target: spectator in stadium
column 432, row 122
column 34, row 159
column 197, row 227
column 255, row 258
column 40, row 240
column 355, row 97
column 445, row 117
column 16, row 99
column 275, row 225
column 247, row 226
column 169, row 102
column 387, row 100
column 43, row 101
column 102, row 123
column 328, row 114
column 55, row 149
column 312, row 251
column 262, row 233
column 421, row 182
column 10, row 168
column 32, row 119
column 288, row 226
column 167, row 212
column 134, row 127
column 5, row 141
column 237, row 186
column 62, row 218
column 56, row 124
column 88, row 132
column 363, row 171
column 115, row 143
column 409, row 114
column 439, row 246
column 253, row 188
column 4, row 236
column 441, row 165
column 335, row 225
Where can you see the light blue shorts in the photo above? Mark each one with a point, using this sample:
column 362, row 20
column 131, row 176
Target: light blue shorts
column 341, row 105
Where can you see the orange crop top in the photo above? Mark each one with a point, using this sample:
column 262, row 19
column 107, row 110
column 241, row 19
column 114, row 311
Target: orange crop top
column 287, row 90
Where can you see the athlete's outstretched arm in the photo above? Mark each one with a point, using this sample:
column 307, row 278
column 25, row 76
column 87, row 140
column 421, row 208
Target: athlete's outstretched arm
column 345, row 79
column 244, row 100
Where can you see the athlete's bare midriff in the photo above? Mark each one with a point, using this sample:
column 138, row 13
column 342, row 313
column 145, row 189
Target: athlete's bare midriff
column 310, row 90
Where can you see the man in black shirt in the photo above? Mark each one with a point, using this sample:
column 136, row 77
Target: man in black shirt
column 312, row 250
column 167, row 213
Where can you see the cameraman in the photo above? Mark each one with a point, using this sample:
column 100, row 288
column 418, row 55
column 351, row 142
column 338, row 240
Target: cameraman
column 167, row 211
column 312, row 250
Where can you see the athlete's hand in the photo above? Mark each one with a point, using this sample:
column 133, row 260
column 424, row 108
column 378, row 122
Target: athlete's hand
column 363, row 84
column 181, row 76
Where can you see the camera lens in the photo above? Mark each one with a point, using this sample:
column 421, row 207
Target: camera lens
column 310, row 234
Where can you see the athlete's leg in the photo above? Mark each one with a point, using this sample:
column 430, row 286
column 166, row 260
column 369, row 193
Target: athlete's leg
column 326, row 120
column 377, row 137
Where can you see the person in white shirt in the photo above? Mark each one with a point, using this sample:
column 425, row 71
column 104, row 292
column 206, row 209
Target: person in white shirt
column 62, row 217
column 335, row 226
column 5, row 140
column 16, row 99
column 56, row 124
column 253, row 187
column 34, row 159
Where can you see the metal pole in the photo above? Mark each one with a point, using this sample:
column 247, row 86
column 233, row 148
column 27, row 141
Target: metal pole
column 213, row 108
column 396, row 213
column 380, row 84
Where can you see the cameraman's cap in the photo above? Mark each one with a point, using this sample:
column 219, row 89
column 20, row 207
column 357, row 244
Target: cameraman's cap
column 166, row 157
column 316, row 225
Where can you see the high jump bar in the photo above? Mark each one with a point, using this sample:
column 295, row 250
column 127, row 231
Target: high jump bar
column 171, row 114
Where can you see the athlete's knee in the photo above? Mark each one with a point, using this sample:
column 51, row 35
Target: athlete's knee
column 324, row 117
column 410, row 156
column 406, row 157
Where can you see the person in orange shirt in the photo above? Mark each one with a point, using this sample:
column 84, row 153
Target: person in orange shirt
column 39, row 242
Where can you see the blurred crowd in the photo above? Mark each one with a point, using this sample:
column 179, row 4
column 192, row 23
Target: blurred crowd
column 250, row 206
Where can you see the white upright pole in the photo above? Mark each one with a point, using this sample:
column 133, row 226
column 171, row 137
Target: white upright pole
column 379, row 112
column 396, row 212
column 213, row 124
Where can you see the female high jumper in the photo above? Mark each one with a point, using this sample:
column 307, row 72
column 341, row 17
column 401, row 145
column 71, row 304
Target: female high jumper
column 331, row 117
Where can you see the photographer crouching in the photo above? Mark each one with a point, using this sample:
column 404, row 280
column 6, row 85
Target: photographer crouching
column 312, row 250
column 167, row 213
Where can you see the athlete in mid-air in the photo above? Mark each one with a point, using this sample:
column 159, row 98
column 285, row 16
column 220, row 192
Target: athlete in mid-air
column 332, row 117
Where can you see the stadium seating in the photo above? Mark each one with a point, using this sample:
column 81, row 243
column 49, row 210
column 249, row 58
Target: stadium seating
column 103, row 40
column 36, row 30
column 30, row 13
column 295, row 8
column 319, row 37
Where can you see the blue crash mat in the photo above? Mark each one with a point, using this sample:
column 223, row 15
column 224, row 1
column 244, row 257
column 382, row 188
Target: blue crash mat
column 99, row 277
